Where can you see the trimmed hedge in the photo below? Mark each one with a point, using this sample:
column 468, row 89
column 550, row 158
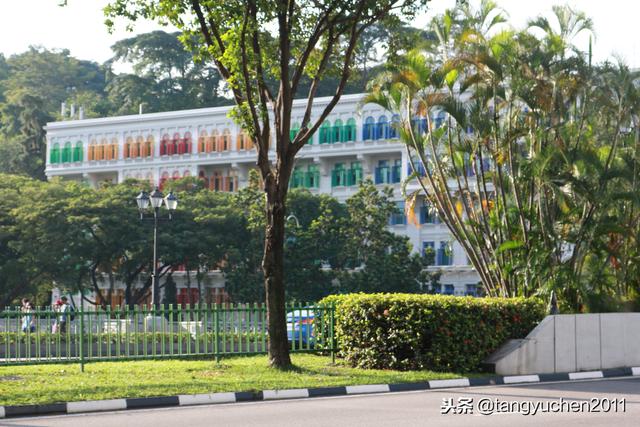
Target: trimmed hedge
column 416, row 331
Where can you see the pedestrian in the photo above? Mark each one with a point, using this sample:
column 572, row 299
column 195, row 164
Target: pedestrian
column 64, row 309
column 28, row 319
column 56, row 321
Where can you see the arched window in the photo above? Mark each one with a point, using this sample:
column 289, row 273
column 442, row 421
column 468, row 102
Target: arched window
column 114, row 148
column 100, row 149
column 382, row 130
column 149, row 177
column 66, row 152
column 186, row 174
column 54, row 155
column 336, row 131
column 187, row 142
column 91, row 150
column 395, row 125
column 77, row 152
column 224, row 141
column 176, row 175
column 244, row 142
column 202, row 144
column 349, row 131
column 419, row 124
column 148, row 146
column 212, row 142
column 216, row 181
column 173, row 144
column 164, row 145
column 325, row 132
column 180, row 148
column 136, row 148
column 126, row 151
column 368, row 129
column 295, row 128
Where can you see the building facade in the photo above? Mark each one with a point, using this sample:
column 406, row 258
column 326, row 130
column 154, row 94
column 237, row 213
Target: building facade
column 356, row 142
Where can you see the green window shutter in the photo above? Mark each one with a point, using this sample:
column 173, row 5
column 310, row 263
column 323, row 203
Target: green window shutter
column 350, row 130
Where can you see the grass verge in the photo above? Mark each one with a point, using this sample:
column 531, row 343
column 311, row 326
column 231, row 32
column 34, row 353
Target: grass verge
column 40, row 384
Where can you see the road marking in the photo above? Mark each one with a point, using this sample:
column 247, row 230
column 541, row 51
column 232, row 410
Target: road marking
column 521, row 379
column 460, row 382
column 585, row 375
column 371, row 388
column 96, row 405
column 205, row 399
column 295, row 393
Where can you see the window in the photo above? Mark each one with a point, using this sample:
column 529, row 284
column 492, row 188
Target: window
column 349, row 131
column 393, row 128
column 471, row 289
column 338, row 175
column 396, row 170
column 449, row 289
column 77, row 152
column 436, row 289
column 355, row 175
column 66, row 152
column 443, row 256
column 164, row 145
column 427, row 248
column 382, row 173
column 295, row 128
column 127, row 148
column 202, row 144
column 398, row 218
column 99, row 150
column 91, row 150
column 312, row 177
column 429, row 214
column 336, row 131
column 224, row 142
column 325, row 132
column 147, row 150
column 368, row 129
column 419, row 124
column 382, row 129
column 244, row 142
column 173, row 144
column 54, row 155
column 297, row 178
column 187, row 143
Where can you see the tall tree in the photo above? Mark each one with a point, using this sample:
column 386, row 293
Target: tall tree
column 251, row 42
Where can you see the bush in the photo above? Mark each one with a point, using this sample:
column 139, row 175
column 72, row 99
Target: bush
column 444, row 333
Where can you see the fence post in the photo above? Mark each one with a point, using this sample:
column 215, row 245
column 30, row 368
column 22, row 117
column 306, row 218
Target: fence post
column 81, row 338
column 331, row 334
column 215, row 333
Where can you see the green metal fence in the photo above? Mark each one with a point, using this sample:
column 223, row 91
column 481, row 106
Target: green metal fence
column 42, row 335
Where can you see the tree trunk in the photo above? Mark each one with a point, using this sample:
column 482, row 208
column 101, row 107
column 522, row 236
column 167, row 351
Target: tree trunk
column 272, row 266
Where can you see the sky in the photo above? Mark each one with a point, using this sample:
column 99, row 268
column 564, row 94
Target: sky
column 80, row 27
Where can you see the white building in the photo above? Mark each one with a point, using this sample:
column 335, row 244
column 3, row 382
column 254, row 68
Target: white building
column 355, row 142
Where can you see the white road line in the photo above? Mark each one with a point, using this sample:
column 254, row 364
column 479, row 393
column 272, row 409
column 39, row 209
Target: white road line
column 459, row 382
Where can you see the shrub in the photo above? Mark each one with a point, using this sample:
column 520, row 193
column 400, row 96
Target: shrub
column 445, row 333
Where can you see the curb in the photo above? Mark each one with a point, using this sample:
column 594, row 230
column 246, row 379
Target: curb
column 268, row 395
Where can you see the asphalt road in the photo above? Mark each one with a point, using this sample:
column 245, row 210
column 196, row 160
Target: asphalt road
column 397, row 409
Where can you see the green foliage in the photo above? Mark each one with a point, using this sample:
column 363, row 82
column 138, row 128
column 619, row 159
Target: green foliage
column 443, row 333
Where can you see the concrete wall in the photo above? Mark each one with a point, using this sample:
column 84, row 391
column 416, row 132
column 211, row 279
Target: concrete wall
column 572, row 343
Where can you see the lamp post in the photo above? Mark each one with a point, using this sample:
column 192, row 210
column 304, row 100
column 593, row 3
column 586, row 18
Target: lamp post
column 155, row 199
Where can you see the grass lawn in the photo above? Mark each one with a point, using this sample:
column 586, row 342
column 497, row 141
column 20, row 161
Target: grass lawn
column 39, row 384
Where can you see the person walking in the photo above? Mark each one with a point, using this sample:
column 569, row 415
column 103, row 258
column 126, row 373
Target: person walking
column 63, row 317
column 28, row 319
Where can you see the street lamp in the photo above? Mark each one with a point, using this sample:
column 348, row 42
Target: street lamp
column 155, row 199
